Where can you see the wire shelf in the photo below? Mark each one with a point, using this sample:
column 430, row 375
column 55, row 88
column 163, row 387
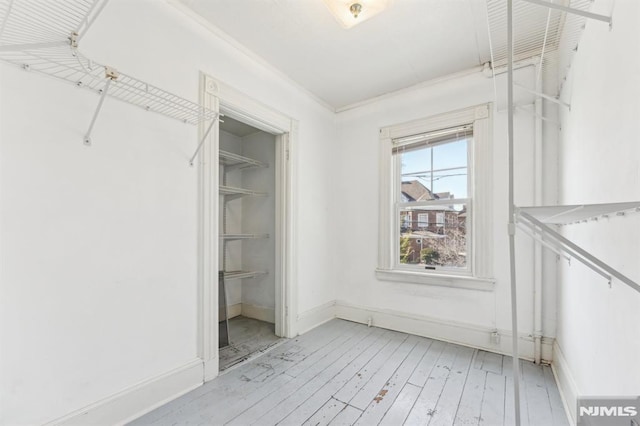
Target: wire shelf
column 236, row 161
column 564, row 215
column 32, row 22
column 236, row 275
column 550, row 34
column 232, row 237
column 42, row 36
column 65, row 63
column 239, row 192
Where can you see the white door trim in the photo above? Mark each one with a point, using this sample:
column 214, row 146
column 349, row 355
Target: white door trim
column 227, row 100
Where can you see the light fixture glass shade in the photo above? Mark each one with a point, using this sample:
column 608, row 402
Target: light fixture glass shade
column 341, row 10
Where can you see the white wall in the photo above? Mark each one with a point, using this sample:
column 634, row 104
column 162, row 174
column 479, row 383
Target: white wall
column 472, row 312
column 598, row 330
column 259, row 293
column 98, row 257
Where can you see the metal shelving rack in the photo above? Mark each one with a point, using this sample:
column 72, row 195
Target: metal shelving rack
column 43, row 37
column 231, row 162
column 551, row 32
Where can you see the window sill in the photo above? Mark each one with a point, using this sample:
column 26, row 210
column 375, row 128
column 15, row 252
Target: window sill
column 442, row 280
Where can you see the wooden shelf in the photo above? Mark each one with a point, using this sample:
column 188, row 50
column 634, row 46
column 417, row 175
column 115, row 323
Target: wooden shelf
column 235, row 161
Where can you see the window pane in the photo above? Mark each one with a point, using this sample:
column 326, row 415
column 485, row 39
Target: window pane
column 441, row 243
column 450, row 169
column 434, row 172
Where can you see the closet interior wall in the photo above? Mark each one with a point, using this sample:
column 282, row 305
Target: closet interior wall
column 252, row 219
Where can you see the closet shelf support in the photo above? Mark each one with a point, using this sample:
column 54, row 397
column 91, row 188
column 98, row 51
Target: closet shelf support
column 580, row 254
column 206, row 134
column 541, row 117
column 571, row 10
column 542, row 95
column 531, row 231
column 111, row 75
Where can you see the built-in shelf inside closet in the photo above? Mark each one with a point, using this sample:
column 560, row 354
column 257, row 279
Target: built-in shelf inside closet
column 246, row 248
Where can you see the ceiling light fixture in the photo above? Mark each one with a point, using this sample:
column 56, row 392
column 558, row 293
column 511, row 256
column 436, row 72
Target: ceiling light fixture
column 355, row 9
column 349, row 12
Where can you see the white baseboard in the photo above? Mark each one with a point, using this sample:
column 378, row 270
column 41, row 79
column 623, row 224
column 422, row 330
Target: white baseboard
column 450, row 331
column 131, row 403
column 232, row 311
column 259, row 312
column 314, row 317
column 566, row 384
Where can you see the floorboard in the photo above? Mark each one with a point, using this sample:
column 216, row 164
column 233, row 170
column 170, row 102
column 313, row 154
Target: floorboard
column 247, row 337
column 343, row 373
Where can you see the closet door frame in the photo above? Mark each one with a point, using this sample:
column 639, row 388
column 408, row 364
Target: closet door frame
column 222, row 98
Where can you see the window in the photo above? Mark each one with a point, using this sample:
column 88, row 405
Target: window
column 423, row 220
column 436, row 223
column 406, row 221
column 432, row 178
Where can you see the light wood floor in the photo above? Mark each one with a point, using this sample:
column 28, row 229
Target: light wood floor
column 344, row 373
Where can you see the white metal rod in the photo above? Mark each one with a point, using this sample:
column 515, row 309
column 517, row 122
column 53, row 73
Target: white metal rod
column 560, row 249
column 526, row 231
column 32, row 46
column 542, row 95
column 538, row 260
column 511, row 228
column 584, row 13
column 588, row 258
column 540, row 116
column 195, row 154
column 575, row 209
column 572, row 253
column 87, row 137
column 544, row 47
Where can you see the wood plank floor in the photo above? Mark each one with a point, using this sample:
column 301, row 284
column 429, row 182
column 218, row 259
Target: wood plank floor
column 343, row 373
column 247, row 337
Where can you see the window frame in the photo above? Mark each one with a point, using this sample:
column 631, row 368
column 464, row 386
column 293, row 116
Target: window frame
column 479, row 274
column 401, row 206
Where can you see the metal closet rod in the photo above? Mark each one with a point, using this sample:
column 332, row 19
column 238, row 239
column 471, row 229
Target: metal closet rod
column 571, row 10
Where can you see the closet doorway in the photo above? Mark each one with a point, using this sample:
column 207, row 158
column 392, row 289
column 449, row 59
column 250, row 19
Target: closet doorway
column 247, row 249
column 247, row 296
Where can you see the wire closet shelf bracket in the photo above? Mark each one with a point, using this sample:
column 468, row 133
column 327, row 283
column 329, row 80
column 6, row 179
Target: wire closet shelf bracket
column 43, row 37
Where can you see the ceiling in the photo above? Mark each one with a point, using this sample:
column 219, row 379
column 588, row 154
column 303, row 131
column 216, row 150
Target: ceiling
column 411, row 42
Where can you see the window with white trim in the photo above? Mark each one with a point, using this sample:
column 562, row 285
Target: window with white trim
column 431, row 173
column 437, row 171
